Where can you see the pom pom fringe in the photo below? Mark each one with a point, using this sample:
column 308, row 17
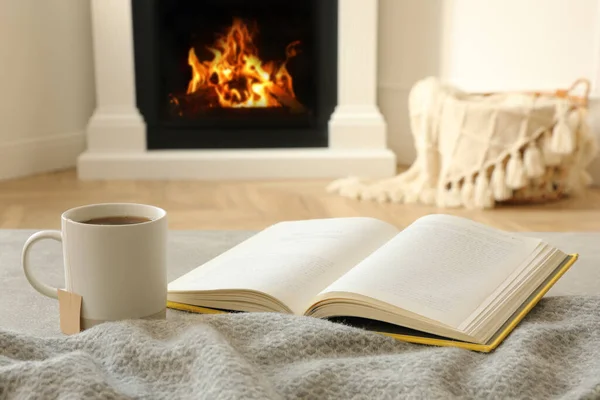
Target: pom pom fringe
column 563, row 134
column 483, row 193
column 467, row 192
column 534, row 163
column 500, row 190
column 551, row 158
column 515, row 173
column 453, row 196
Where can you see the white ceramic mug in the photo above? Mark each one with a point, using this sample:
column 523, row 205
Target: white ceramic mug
column 119, row 270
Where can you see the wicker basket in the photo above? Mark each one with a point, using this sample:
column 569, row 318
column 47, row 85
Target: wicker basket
column 552, row 185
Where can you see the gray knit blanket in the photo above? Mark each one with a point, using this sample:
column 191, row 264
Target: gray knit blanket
column 554, row 353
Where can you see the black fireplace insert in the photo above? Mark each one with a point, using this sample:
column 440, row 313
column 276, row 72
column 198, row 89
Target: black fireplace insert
column 235, row 73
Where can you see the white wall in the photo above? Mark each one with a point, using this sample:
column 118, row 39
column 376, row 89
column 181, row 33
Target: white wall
column 410, row 34
column 47, row 84
column 516, row 44
column 483, row 46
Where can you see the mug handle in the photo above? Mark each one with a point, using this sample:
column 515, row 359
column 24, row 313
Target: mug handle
column 41, row 287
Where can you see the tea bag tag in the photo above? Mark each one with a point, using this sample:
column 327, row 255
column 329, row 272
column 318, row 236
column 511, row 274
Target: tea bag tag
column 69, row 307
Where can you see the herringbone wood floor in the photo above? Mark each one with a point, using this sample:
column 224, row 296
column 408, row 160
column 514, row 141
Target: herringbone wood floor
column 37, row 202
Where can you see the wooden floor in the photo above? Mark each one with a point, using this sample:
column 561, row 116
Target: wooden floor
column 37, row 202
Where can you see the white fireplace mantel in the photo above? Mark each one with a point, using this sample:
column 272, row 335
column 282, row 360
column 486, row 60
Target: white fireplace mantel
column 116, row 133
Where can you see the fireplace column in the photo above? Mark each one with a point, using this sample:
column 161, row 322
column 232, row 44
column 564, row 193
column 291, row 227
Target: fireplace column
column 357, row 122
column 116, row 125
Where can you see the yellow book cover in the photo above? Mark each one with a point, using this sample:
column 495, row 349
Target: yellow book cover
column 426, row 339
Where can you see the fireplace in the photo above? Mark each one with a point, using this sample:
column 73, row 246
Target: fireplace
column 235, row 73
column 235, row 89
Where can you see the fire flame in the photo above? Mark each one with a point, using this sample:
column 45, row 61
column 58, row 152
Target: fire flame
column 237, row 74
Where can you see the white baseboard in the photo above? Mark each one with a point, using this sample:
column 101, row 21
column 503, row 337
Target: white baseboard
column 33, row 156
column 237, row 164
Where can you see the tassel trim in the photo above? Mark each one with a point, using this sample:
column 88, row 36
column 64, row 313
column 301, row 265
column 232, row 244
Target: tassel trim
column 534, row 162
column 515, row 172
column 452, row 199
column 563, row 133
column 483, row 193
column 467, row 192
column 500, row 189
column 551, row 159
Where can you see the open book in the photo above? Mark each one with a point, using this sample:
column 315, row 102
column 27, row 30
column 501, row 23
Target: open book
column 443, row 280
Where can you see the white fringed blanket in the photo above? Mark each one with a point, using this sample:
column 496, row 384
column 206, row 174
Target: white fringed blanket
column 477, row 150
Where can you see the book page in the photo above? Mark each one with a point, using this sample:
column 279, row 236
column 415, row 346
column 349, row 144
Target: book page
column 441, row 267
column 291, row 261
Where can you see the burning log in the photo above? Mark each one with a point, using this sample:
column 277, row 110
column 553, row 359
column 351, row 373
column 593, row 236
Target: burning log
column 285, row 99
column 206, row 98
column 194, row 103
